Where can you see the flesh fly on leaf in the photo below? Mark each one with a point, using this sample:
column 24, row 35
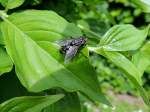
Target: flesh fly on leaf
column 71, row 47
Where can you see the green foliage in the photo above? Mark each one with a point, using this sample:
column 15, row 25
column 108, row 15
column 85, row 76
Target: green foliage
column 122, row 37
column 11, row 4
column 70, row 103
column 142, row 57
column 131, row 71
column 21, row 49
column 29, row 103
column 143, row 4
column 112, row 78
column 5, row 62
column 29, row 41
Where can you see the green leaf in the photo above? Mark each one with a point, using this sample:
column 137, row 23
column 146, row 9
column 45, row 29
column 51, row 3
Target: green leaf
column 142, row 58
column 5, row 62
column 143, row 4
column 130, row 70
column 1, row 40
column 41, row 67
column 70, row 103
column 44, row 25
column 1, row 37
column 11, row 4
column 122, row 37
column 29, row 103
column 80, row 67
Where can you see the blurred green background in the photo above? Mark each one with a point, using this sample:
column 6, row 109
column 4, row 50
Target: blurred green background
column 99, row 16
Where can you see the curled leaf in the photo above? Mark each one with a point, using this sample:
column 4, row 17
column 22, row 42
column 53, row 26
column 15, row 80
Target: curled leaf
column 5, row 62
column 122, row 37
column 29, row 103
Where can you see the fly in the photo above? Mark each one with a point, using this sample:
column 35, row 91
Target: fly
column 71, row 47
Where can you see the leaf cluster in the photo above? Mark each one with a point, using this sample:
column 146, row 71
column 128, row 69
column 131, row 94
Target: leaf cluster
column 28, row 44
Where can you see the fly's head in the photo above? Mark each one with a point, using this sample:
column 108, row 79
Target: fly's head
column 79, row 41
column 83, row 40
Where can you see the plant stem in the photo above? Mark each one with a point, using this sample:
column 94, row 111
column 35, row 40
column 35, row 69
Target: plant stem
column 89, row 31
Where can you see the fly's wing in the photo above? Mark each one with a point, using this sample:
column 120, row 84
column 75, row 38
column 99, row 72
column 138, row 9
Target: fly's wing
column 64, row 42
column 71, row 53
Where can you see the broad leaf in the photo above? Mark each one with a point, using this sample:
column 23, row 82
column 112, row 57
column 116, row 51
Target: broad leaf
column 44, row 25
column 29, row 103
column 143, row 4
column 130, row 70
column 142, row 58
column 39, row 69
column 80, row 67
column 5, row 62
column 11, row 4
column 70, row 103
column 122, row 37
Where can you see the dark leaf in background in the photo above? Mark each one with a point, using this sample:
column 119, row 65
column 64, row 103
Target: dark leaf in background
column 70, row 103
